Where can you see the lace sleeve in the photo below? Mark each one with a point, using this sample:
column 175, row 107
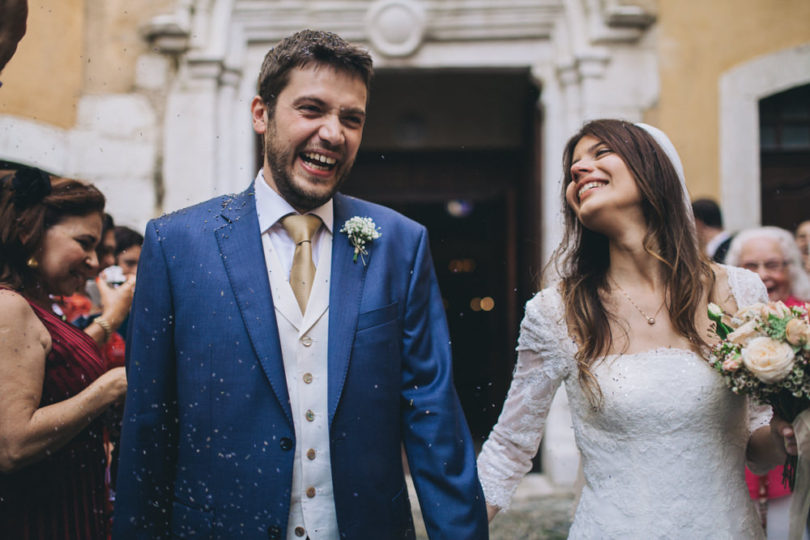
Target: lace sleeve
column 746, row 286
column 759, row 415
column 506, row 456
column 747, row 289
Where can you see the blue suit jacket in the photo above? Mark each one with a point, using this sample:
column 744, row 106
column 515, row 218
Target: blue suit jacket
column 208, row 437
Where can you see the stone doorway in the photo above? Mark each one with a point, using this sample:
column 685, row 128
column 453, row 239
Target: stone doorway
column 785, row 157
column 455, row 150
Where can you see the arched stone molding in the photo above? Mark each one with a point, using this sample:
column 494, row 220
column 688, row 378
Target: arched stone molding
column 207, row 124
column 577, row 50
column 590, row 58
column 741, row 88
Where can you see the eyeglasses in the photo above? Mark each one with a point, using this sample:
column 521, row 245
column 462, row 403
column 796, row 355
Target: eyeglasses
column 770, row 266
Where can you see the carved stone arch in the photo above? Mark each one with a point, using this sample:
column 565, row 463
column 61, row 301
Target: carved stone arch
column 583, row 55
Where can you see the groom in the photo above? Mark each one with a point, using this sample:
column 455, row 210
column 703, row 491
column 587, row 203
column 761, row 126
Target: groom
column 277, row 365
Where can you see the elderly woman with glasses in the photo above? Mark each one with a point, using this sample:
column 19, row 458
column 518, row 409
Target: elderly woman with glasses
column 772, row 253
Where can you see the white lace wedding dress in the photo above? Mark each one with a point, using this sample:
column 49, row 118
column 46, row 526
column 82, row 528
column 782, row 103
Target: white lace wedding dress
column 663, row 457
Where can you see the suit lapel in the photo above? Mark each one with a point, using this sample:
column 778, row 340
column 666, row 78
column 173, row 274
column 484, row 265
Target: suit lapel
column 345, row 292
column 241, row 249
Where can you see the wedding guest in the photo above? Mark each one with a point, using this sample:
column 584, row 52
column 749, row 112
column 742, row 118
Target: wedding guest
column 286, row 343
column 103, row 305
column 127, row 254
column 772, row 253
column 54, row 384
column 127, row 249
column 662, row 438
column 713, row 239
column 98, row 299
column 803, row 241
column 105, row 251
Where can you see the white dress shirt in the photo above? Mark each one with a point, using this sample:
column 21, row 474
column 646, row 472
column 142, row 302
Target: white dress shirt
column 714, row 243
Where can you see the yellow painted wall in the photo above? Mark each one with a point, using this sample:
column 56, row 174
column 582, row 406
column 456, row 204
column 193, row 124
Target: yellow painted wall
column 114, row 41
column 44, row 79
column 699, row 40
column 74, row 48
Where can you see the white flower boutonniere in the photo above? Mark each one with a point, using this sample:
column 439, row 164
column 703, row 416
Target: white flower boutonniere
column 361, row 231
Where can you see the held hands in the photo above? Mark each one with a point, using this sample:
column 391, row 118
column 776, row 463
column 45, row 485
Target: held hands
column 782, row 431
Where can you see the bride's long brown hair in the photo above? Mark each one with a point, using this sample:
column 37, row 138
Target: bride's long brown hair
column 582, row 259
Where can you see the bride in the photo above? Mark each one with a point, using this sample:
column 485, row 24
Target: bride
column 663, row 440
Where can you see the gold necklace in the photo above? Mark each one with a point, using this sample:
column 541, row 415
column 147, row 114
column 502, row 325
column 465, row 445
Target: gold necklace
column 650, row 320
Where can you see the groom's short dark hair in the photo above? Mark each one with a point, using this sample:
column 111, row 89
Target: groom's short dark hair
column 303, row 49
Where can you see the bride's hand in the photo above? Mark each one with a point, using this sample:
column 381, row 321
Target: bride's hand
column 783, row 432
column 491, row 511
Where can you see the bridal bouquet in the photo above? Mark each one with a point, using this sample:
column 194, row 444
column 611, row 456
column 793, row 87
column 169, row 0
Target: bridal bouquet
column 764, row 352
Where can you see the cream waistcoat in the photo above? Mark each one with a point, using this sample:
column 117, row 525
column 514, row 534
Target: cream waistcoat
column 304, row 347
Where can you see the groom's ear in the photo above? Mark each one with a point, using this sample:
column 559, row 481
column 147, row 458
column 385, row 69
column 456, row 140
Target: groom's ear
column 259, row 115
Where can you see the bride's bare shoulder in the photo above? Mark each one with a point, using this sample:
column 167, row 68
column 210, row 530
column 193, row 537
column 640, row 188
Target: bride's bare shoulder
column 721, row 292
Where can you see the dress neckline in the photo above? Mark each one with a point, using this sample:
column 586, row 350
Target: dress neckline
column 655, row 350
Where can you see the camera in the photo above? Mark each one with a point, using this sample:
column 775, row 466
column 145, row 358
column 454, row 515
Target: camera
column 114, row 276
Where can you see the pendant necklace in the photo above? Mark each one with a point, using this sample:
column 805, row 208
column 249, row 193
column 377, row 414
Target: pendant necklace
column 650, row 319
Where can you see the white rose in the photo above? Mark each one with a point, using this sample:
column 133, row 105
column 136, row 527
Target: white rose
column 749, row 312
column 777, row 309
column 797, row 332
column 744, row 333
column 769, row 360
column 715, row 310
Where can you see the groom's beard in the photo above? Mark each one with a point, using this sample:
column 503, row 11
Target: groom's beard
column 281, row 162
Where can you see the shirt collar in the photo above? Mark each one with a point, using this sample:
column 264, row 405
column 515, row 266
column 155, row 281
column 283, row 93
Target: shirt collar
column 714, row 243
column 271, row 207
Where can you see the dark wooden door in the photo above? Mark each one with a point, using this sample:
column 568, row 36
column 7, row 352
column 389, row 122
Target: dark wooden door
column 453, row 149
column 785, row 157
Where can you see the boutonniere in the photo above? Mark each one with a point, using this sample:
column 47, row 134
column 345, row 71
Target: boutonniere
column 361, row 231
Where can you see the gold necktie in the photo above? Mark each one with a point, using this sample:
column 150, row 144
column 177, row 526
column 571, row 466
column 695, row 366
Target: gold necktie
column 302, row 272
